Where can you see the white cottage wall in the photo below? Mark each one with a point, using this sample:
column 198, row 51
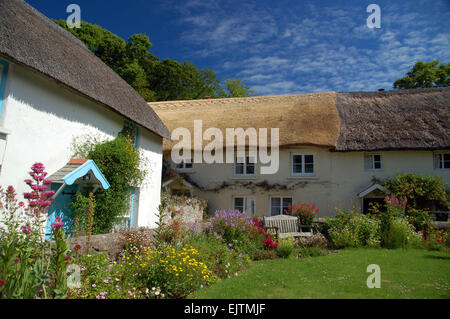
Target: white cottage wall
column 43, row 118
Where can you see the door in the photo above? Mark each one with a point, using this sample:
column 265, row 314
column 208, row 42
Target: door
column 62, row 207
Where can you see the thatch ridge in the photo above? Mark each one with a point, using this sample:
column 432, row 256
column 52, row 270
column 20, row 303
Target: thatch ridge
column 302, row 119
column 30, row 39
column 416, row 119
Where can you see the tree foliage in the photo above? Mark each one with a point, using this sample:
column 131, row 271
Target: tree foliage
column 425, row 75
column 152, row 78
column 420, row 191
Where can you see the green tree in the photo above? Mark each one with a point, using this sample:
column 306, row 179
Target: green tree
column 425, row 75
column 152, row 78
column 235, row 88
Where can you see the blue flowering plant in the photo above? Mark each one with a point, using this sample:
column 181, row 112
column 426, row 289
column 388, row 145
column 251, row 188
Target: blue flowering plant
column 238, row 231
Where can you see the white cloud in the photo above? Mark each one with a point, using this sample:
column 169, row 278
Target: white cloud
column 309, row 48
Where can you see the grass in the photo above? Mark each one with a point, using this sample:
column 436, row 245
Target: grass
column 404, row 274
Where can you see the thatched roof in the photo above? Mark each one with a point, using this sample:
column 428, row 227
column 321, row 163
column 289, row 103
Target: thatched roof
column 306, row 119
column 32, row 40
column 363, row 121
column 394, row 120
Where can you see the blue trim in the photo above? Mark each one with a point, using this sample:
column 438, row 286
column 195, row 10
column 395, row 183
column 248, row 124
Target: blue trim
column 90, row 165
column 132, row 197
column 3, row 82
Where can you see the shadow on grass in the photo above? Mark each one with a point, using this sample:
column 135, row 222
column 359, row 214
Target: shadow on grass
column 437, row 257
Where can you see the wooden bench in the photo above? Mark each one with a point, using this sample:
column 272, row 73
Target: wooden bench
column 284, row 226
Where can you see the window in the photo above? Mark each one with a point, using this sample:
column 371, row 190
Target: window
column 244, row 166
column 244, row 204
column 280, row 205
column 302, row 165
column 442, row 161
column 184, row 165
column 372, row 162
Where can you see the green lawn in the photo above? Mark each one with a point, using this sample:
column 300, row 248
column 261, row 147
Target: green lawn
column 404, row 274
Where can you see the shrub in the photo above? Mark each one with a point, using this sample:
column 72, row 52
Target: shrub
column 285, row 248
column 351, row 229
column 306, row 212
column 239, row 231
column 420, row 190
column 437, row 240
column 420, row 219
column 100, row 280
column 400, row 234
column 178, row 271
column 220, row 258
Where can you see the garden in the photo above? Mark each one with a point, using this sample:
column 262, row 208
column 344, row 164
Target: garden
column 230, row 255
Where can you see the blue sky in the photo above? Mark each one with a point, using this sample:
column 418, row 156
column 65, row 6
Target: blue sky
column 283, row 46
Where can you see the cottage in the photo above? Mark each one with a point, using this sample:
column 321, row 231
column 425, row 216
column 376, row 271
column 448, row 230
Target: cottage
column 331, row 145
column 54, row 89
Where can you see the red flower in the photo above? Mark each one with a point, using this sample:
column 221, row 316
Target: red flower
column 16, row 260
column 439, row 239
column 77, row 247
column 2, row 282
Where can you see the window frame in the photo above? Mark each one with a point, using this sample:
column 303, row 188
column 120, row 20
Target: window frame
column 303, row 165
column 371, row 158
column 282, row 198
column 244, row 166
column 437, row 162
column 245, row 199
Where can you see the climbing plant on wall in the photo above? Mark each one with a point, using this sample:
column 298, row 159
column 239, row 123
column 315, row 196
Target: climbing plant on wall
column 120, row 162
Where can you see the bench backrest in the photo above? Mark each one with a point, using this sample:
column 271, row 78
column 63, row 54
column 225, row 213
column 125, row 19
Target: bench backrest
column 285, row 223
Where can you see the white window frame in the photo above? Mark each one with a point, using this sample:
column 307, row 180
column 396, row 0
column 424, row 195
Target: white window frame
column 371, row 158
column 246, row 199
column 244, row 174
column 183, row 166
column 303, row 173
column 439, row 161
column 282, row 198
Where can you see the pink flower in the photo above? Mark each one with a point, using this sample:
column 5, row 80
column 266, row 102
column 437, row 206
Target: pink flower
column 94, row 285
column 58, row 224
column 26, row 229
